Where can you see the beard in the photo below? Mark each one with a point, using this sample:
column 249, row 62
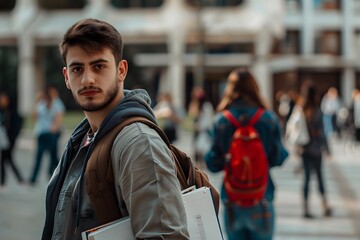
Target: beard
column 110, row 95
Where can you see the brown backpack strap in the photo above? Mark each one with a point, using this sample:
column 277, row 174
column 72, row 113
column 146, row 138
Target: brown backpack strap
column 99, row 176
column 187, row 173
column 177, row 154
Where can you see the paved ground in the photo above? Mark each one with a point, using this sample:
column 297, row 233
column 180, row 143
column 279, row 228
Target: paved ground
column 22, row 207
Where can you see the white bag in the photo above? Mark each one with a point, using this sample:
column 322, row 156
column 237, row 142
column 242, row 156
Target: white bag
column 4, row 139
column 203, row 142
column 296, row 132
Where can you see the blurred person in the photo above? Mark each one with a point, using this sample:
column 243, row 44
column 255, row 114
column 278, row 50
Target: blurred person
column 59, row 105
column 287, row 101
column 330, row 106
column 48, row 114
column 242, row 98
column 12, row 123
column 167, row 116
column 356, row 114
column 201, row 112
column 312, row 152
column 146, row 184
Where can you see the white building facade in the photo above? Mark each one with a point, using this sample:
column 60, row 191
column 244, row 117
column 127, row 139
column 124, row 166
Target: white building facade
column 282, row 41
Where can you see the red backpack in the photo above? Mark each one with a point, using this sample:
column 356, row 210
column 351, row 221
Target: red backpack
column 246, row 169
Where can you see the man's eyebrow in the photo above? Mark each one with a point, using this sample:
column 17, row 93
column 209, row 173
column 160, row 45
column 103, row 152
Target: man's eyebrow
column 99, row 61
column 91, row 63
column 75, row 64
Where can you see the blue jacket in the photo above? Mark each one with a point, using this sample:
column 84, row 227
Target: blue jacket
column 268, row 127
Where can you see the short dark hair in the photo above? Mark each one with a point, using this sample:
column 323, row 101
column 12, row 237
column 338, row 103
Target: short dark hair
column 92, row 35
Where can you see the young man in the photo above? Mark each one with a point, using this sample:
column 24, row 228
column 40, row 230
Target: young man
column 145, row 179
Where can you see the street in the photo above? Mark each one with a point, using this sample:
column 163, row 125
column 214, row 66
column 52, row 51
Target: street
column 22, row 207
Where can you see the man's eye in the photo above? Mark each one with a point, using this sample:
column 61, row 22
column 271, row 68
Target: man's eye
column 99, row 66
column 76, row 69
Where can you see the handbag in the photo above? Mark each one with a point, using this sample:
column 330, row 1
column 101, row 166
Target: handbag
column 4, row 139
column 296, row 132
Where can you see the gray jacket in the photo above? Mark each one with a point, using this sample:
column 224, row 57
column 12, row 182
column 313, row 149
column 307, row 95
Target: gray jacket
column 146, row 183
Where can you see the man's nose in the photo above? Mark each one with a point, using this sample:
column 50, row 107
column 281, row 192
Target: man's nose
column 88, row 78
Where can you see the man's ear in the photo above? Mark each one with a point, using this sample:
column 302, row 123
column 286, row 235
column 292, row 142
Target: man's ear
column 66, row 77
column 122, row 70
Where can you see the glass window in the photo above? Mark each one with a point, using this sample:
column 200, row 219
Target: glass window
column 214, row 3
column 327, row 4
column 137, row 3
column 50, row 63
column 221, row 48
column 8, row 64
column 290, row 44
column 61, row 4
column 328, row 42
column 7, row 5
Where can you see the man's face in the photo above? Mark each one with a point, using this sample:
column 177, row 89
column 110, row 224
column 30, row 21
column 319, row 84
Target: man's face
column 95, row 80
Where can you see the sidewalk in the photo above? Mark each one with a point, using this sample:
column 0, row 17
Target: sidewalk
column 22, row 208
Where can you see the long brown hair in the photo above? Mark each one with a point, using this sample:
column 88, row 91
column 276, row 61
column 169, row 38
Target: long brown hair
column 241, row 84
column 311, row 100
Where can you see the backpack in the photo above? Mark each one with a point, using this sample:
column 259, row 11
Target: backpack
column 99, row 176
column 246, row 167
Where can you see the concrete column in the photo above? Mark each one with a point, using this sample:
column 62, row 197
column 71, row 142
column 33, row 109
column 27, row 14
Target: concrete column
column 96, row 8
column 23, row 15
column 26, row 74
column 173, row 13
column 176, row 68
column 263, row 76
column 261, row 68
column 347, row 85
column 347, row 43
column 307, row 34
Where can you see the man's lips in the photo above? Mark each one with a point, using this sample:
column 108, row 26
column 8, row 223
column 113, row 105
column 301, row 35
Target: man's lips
column 90, row 92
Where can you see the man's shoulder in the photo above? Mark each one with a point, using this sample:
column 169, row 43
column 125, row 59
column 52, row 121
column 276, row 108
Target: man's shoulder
column 134, row 131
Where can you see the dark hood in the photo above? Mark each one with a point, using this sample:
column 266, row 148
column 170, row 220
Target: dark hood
column 135, row 103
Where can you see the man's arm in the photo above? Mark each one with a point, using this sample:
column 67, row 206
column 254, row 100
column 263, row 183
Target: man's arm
column 146, row 182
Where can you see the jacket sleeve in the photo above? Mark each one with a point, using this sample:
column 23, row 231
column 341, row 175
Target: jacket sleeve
column 146, row 183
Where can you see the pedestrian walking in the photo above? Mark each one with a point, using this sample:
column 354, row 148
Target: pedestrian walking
column 244, row 219
column 330, row 106
column 58, row 130
column 201, row 112
column 167, row 116
column 11, row 123
column 47, row 115
column 312, row 152
column 147, row 188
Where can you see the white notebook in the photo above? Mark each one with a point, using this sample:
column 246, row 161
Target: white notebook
column 108, row 231
column 203, row 223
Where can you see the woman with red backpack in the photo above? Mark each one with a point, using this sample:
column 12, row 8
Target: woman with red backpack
column 247, row 216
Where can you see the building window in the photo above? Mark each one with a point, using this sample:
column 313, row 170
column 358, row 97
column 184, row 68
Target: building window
column 224, row 48
column 7, row 5
column 61, row 4
column 137, row 3
column 328, row 42
column 327, row 5
column 214, row 3
column 8, row 64
column 357, row 42
column 290, row 44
